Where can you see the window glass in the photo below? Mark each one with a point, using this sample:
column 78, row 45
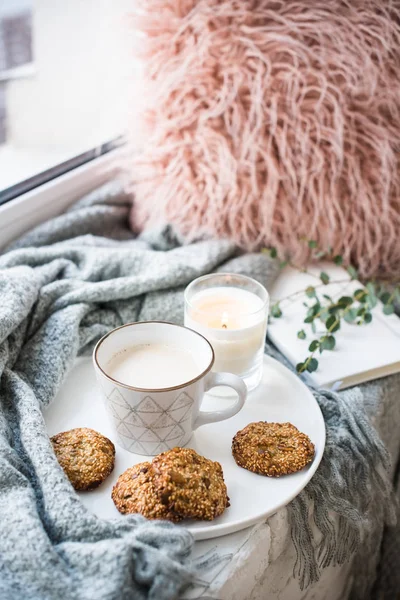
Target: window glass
column 65, row 72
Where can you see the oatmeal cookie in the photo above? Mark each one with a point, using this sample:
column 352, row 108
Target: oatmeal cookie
column 189, row 484
column 134, row 492
column 272, row 449
column 86, row 456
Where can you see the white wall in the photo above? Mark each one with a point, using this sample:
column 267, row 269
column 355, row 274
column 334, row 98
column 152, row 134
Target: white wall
column 14, row 7
column 79, row 94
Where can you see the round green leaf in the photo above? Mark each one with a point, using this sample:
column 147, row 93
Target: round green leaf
column 360, row 295
column 324, row 314
column 368, row 317
column 385, row 297
column 300, row 367
column 345, row 301
column 313, row 346
column 301, row 334
column 313, row 310
column 334, row 309
column 372, row 301
column 328, row 342
column 310, row 291
column 350, row 315
column 338, row 260
column 388, row 309
column 312, row 365
column 276, row 311
column 324, row 277
column 332, row 324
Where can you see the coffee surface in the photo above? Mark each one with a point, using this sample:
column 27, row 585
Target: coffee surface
column 153, row 366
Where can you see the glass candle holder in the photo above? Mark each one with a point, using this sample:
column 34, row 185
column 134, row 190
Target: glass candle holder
column 231, row 311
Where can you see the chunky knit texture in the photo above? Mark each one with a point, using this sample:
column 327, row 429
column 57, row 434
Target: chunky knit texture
column 64, row 285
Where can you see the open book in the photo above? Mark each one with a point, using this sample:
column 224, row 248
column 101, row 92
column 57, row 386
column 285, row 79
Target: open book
column 361, row 353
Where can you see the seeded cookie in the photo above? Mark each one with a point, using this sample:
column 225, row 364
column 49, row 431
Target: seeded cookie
column 272, row 449
column 86, row 456
column 134, row 492
column 189, row 484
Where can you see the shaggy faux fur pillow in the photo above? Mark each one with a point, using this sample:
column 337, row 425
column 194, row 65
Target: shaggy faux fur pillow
column 268, row 121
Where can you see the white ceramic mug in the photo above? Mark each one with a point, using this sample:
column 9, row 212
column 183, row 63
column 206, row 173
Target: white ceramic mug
column 149, row 421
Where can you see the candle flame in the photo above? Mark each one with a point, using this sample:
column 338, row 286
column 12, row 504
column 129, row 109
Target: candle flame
column 224, row 320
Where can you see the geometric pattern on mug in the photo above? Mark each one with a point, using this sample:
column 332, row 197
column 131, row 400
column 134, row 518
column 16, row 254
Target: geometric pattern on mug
column 149, row 428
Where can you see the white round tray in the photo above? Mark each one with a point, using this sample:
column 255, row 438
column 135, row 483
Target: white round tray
column 281, row 397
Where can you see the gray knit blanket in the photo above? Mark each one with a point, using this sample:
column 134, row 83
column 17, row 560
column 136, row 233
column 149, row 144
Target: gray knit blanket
column 62, row 286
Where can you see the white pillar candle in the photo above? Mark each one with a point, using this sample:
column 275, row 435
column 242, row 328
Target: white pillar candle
column 231, row 311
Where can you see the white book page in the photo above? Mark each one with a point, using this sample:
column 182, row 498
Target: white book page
column 362, row 352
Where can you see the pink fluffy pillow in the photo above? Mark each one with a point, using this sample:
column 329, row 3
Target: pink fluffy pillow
column 267, row 121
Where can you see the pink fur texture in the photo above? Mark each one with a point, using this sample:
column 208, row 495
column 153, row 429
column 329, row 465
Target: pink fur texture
column 271, row 121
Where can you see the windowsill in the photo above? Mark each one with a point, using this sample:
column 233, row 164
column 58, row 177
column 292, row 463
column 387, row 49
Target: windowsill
column 28, row 70
column 21, row 164
column 53, row 197
column 18, row 164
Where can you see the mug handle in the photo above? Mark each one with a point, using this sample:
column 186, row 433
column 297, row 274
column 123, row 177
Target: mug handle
column 230, row 380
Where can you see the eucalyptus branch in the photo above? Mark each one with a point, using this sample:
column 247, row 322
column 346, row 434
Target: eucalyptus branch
column 294, row 295
column 354, row 309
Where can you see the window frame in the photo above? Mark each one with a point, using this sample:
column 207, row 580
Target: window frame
column 53, row 197
column 26, row 185
column 26, row 70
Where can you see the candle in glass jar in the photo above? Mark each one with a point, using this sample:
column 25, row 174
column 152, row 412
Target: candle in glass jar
column 231, row 311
